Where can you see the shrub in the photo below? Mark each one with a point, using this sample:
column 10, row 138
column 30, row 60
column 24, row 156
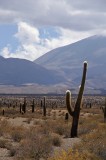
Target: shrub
column 95, row 142
column 17, row 133
column 12, row 152
column 5, row 127
column 36, row 145
column 73, row 155
column 3, row 143
column 56, row 141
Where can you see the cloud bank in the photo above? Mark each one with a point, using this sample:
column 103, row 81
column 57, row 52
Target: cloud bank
column 71, row 20
column 74, row 15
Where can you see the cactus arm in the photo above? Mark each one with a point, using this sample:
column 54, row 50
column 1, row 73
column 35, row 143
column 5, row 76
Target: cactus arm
column 68, row 103
column 78, row 102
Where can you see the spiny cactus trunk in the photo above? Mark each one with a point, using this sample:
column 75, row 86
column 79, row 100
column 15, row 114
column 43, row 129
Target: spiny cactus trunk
column 75, row 112
column 74, row 128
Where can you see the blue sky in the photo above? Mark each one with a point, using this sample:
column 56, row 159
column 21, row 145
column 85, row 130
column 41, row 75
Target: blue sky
column 7, row 32
column 29, row 29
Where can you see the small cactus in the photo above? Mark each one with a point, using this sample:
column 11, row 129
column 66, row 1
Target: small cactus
column 41, row 104
column 66, row 117
column 33, row 106
column 75, row 112
column 104, row 111
column 44, row 107
column 20, row 107
column 24, row 106
column 3, row 112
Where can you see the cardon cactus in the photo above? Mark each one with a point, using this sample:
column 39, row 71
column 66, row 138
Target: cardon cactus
column 75, row 111
column 3, row 112
column 104, row 111
column 33, row 106
column 20, row 107
column 66, row 117
column 44, row 107
column 24, row 106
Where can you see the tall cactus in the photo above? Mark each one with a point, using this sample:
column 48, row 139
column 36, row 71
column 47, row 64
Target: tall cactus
column 75, row 111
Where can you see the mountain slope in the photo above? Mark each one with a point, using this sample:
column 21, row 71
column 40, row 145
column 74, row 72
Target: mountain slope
column 15, row 71
column 68, row 61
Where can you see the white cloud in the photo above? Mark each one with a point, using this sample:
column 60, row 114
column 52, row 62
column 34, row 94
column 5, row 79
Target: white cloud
column 27, row 34
column 33, row 46
column 5, row 52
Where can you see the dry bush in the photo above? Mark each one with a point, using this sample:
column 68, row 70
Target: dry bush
column 37, row 122
column 13, row 151
column 18, row 133
column 92, row 110
column 3, row 143
column 56, row 141
column 58, row 126
column 5, row 127
column 63, row 129
column 87, row 125
column 94, row 141
column 28, row 120
column 59, row 129
column 37, row 144
column 73, row 155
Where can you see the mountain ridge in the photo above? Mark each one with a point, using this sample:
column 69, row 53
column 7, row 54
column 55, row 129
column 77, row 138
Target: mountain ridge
column 68, row 60
column 57, row 70
column 14, row 71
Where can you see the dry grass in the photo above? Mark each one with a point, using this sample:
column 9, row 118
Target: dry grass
column 5, row 127
column 37, row 144
column 56, row 141
column 94, row 139
column 17, row 133
column 74, row 155
column 41, row 134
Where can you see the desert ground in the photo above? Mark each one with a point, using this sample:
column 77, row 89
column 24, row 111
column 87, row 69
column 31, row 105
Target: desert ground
column 28, row 131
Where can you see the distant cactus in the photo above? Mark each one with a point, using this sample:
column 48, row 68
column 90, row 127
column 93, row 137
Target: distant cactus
column 3, row 112
column 44, row 107
column 75, row 112
column 104, row 111
column 20, row 107
column 33, row 106
column 90, row 105
column 66, row 117
column 24, row 106
column 41, row 104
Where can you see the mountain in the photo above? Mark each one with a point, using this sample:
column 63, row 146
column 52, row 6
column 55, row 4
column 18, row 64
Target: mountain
column 67, row 60
column 57, row 70
column 14, row 71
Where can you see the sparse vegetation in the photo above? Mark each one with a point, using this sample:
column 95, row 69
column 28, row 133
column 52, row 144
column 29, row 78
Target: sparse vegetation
column 33, row 136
